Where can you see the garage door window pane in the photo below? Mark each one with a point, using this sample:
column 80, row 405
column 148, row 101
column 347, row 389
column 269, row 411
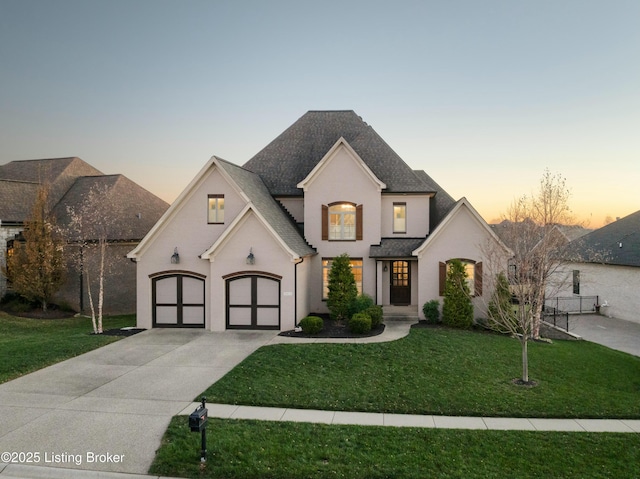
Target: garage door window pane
column 167, row 290
column 268, row 317
column 240, row 316
column 166, row 315
column 240, row 291
column 192, row 314
column 192, row 291
column 268, row 292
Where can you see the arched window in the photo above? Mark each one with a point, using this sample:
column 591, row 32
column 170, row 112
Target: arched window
column 474, row 276
column 342, row 221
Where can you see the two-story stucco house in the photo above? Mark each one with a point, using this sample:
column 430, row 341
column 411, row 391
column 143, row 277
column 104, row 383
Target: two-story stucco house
column 251, row 246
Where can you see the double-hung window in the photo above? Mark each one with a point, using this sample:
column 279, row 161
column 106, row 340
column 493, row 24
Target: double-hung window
column 216, row 209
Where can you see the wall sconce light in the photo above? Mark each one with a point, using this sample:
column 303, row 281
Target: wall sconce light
column 251, row 259
column 385, row 269
column 175, row 257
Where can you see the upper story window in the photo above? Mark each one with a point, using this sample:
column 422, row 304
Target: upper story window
column 216, row 209
column 399, row 217
column 342, row 222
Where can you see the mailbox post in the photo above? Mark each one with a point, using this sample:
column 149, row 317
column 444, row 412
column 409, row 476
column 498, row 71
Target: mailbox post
column 198, row 423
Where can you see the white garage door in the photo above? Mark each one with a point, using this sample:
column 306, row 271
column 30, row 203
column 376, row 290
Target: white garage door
column 178, row 301
column 253, row 302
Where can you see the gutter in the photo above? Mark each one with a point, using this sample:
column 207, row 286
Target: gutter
column 295, row 291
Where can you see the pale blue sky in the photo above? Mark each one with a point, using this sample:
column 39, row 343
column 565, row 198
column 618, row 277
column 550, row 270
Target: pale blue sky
column 482, row 95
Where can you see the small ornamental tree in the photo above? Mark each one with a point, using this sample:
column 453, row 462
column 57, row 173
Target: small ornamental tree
column 342, row 288
column 457, row 310
column 36, row 269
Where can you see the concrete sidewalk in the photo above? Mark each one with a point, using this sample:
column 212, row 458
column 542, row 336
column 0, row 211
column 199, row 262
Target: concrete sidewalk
column 229, row 411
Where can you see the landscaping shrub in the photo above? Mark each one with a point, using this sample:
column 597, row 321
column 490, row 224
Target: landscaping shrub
column 311, row 324
column 360, row 323
column 431, row 310
column 362, row 303
column 457, row 310
column 342, row 288
column 375, row 313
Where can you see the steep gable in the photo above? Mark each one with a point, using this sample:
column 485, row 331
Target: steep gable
column 289, row 159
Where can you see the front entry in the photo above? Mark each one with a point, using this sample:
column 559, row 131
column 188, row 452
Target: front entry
column 400, row 293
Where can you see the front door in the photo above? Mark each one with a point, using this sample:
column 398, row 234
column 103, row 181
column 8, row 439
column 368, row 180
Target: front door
column 400, row 283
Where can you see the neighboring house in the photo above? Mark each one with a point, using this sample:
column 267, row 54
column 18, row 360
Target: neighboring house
column 609, row 267
column 69, row 180
column 251, row 246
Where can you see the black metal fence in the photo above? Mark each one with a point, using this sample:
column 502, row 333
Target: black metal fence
column 573, row 304
column 559, row 319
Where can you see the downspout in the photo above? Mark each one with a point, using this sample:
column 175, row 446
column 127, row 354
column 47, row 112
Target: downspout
column 295, row 292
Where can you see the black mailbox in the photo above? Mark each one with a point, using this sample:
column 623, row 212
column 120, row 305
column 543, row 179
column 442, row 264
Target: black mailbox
column 198, row 419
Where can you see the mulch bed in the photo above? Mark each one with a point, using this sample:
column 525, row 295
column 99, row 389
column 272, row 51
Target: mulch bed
column 122, row 332
column 50, row 313
column 331, row 329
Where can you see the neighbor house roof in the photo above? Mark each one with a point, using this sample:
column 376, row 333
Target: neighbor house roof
column 617, row 243
column 16, row 200
column 133, row 214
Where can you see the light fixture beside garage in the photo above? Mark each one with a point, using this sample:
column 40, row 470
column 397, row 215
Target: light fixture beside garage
column 175, row 257
column 251, row 259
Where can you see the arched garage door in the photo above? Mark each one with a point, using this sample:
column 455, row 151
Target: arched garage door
column 253, row 301
column 178, row 301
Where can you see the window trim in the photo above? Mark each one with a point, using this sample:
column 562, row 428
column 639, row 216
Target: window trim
column 217, row 209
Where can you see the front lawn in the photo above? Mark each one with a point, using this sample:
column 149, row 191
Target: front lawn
column 261, row 449
column 31, row 344
column 439, row 371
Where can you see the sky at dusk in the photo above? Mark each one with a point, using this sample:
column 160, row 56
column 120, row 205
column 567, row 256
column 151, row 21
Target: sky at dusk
column 482, row 95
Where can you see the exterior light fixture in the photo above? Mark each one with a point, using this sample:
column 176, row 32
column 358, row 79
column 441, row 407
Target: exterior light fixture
column 251, row 259
column 175, row 257
column 385, row 269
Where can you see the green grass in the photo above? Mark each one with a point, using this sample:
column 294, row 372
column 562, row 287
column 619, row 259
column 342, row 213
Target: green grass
column 439, row 371
column 260, row 449
column 31, row 344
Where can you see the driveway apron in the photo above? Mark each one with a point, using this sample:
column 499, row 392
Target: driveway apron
column 108, row 409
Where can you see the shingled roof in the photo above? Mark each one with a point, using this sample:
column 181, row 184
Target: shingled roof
column 137, row 209
column 617, row 243
column 288, row 159
column 253, row 186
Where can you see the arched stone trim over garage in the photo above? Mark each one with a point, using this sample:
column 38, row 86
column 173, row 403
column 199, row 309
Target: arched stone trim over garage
column 252, row 300
column 178, row 299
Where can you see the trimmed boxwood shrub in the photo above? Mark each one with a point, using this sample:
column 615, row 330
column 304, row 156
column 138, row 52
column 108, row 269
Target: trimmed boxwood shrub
column 360, row 323
column 431, row 310
column 375, row 313
column 361, row 303
column 311, row 324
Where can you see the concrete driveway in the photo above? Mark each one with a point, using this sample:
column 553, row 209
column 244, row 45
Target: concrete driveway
column 108, row 409
column 611, row 332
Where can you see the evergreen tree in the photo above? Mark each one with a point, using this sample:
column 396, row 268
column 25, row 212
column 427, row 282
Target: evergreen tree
column 342, row 288
column 36, row 269
column 457, row 310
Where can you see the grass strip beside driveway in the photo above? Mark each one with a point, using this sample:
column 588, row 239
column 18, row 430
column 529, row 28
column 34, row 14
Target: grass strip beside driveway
column 27, row 345
column 439, row 371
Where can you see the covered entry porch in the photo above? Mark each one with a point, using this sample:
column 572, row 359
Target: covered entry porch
column 396, row 271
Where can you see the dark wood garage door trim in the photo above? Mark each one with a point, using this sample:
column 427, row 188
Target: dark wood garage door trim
column 179, row 304
column 253, row 305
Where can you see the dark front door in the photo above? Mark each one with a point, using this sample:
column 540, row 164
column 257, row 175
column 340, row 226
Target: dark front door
column 400, row 282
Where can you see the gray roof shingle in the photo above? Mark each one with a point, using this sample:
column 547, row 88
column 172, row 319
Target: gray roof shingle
column 617, row 243
column 395, row 247
column 253, row 186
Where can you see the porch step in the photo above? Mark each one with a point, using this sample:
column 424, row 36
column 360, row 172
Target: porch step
column 402, row 313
